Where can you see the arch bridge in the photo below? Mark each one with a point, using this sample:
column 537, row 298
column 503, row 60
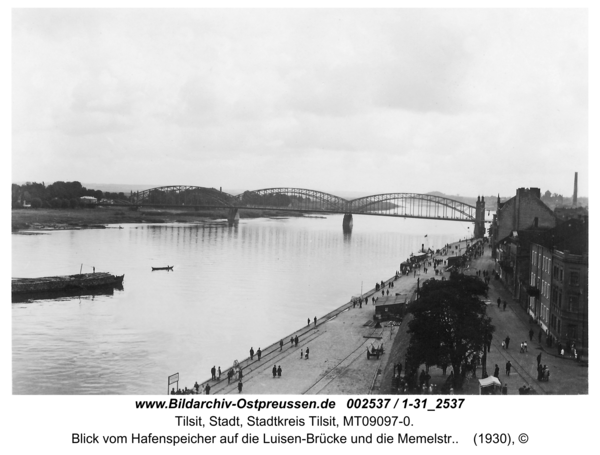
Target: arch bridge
column 405, row 205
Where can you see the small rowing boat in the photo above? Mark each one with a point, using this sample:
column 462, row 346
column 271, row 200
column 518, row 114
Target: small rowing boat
column 169, row 267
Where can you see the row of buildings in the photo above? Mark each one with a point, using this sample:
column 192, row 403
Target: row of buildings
column 542, row 259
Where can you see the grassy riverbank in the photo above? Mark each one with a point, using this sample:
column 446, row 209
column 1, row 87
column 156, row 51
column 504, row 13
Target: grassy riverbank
column 51, row 219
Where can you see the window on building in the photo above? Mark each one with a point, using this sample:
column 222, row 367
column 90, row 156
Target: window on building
column 559, row 300
column 575, row 278
column 558, row 326
column 573, row 303
column 561, row 275
column 544, row 291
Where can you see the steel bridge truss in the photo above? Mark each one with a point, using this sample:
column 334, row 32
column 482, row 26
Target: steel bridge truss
column 408, row 205
column 298, row 199
column 414, row 205
column 183, row 196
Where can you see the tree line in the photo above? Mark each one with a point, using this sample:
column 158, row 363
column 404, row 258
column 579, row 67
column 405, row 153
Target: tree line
column 57, row 195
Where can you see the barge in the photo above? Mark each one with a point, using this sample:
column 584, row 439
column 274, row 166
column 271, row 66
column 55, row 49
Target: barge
column 65, row 283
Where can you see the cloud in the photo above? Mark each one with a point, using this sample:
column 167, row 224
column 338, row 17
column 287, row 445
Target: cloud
column 298, row 95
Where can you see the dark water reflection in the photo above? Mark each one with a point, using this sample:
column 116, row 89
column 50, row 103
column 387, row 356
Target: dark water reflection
column 231, row 288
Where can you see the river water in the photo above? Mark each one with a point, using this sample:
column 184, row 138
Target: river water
column 231, row 288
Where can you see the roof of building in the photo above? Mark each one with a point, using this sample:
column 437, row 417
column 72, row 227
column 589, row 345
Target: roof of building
column 391, row 300
column 572, row 235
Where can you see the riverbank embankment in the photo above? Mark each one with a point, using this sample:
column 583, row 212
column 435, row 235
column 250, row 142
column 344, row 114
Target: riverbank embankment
column 98, row 218
column 338, row 344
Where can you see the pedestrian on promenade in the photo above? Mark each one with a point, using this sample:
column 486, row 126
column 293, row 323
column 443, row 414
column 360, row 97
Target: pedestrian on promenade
column 219, row 374
column 196, row 386
column 505, row 305
column 229, row 375
column 539, row 359
column 213, row 373
column 508, row 367
column 308, row 322
column 382, row 293
column 240, row 386
column 301, row 353
column 507, row 340
column 291, row 341
column 307, row 353
column 525, row 346
column 251, row 353
column 373, row 300
column 530, row 334
column 315, row 321
column 499, row 301
column 279, row 371
column 274, row 370
column 522, row 349
column 281, row 344
column 497, row 371
column 296, row 340
column 240, row 374
column 258, row 353
column 207, row 389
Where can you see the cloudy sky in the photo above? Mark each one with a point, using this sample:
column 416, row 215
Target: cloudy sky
column 460, row 101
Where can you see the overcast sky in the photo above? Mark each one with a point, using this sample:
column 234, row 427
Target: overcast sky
column 460, row 101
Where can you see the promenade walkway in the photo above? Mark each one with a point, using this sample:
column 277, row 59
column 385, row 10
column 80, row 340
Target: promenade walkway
column 338, row 344
column 567, row 377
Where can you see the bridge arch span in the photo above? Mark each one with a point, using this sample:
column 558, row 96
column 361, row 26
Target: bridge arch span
column 185, row 195
column 413, row 205
column 301, row 199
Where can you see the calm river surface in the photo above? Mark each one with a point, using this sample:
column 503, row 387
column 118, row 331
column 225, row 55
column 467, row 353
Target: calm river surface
column 231, row 288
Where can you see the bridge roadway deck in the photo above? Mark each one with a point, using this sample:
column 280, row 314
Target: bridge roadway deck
column 337, row 363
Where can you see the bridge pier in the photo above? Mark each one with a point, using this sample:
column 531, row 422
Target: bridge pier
column 479, row 230
column 233, row 216
column 347, row 223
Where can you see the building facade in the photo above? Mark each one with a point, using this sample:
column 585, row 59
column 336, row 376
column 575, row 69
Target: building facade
column 524, row 211
column 558, row 286
column 540, row 285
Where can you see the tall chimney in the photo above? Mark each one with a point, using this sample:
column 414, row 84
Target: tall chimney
column 575, row 192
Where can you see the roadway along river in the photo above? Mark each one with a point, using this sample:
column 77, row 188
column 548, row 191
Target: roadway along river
column 231, row 288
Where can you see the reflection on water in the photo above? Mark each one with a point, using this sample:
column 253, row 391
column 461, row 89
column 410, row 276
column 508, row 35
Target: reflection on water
column 87, row 294
column 231, row 288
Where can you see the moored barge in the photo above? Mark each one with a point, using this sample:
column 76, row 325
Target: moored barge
column 65, row 283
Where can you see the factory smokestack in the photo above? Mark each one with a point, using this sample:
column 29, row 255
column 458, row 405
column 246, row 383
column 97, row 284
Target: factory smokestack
column 575, row 192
